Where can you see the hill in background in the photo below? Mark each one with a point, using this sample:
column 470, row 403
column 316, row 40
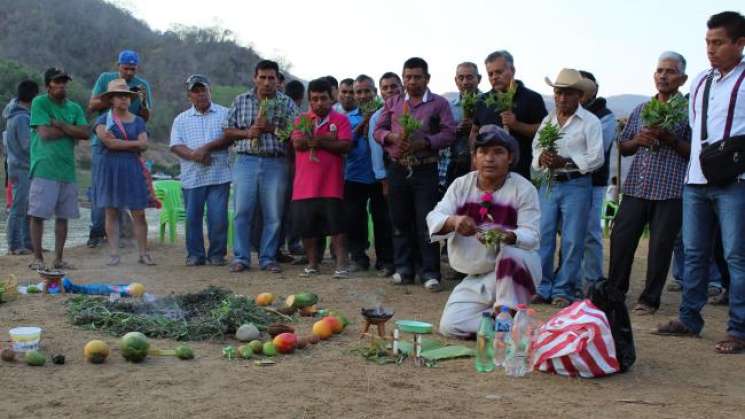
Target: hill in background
column 85, row 36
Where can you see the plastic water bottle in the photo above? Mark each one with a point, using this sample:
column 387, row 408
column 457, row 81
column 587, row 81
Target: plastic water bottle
column 516, row 364
column 484, row 361
column 502, row 328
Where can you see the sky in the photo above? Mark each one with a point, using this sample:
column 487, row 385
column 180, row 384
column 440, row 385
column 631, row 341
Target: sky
column 618, row 41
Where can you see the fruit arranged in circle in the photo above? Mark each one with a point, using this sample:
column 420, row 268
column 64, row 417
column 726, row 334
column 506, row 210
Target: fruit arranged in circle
column 323, row 329
column 96, row 351
column 335, row 324
column 269, row 349
column 264, row 299
column 285, row 342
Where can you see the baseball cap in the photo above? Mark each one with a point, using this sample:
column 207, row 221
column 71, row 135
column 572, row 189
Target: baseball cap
column 54, row 73
column 195, row 80
column 491, row 134
column 128, row 57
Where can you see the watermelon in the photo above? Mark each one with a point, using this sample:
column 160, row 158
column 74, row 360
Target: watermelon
column 301, row 300
column 134, row 347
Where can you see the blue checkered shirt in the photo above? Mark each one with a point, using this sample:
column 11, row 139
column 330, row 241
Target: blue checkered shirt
column 245, row 111
column 193, row 129
column 655, row 174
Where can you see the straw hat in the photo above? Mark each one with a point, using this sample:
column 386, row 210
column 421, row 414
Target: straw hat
column 570, row 78
column 119, row 87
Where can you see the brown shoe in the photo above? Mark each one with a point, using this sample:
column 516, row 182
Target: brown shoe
column 674, row 328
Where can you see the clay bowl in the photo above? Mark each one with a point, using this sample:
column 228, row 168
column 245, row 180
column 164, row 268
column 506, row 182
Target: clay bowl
column 377, row 315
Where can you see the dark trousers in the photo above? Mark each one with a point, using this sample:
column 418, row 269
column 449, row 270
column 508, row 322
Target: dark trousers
column 664, row 219
column 356, row 198
column 410, row 200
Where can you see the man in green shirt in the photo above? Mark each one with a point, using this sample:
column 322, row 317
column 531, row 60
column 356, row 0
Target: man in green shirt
column 56, row 124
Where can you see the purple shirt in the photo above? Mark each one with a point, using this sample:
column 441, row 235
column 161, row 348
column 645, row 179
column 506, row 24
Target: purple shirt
column 438, row 126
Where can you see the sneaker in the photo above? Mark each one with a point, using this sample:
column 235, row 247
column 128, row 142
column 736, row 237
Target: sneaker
column 342, row 274
column 400, row 279
column 675, row 286
column 217, row 261
column 358, row 267
column 194, row 261
column 433, row 285
column 309, row 271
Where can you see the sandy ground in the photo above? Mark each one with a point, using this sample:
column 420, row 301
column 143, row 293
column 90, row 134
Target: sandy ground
column 673, row 377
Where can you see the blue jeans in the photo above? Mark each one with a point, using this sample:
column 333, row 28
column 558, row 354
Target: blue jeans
column 568, row 203
column 216, row 199
column 592, row 263
column 703, row 207
column 258, row 181
column 715, row 277
column 98, row 215
column 18, row 222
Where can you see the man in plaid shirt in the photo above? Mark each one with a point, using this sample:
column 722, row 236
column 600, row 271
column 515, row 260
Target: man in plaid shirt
column 652, row 191
column 260, row 171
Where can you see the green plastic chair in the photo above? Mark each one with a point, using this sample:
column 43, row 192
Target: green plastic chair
column 173, row 211
column 610, row 210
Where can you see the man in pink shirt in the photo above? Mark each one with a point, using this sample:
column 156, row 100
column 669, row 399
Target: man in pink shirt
column 318, row 187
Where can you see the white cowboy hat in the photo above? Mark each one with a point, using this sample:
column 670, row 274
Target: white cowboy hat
column 570, row 78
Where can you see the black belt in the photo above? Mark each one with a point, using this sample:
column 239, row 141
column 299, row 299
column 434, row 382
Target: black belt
column 565, row 176
column 417, row 162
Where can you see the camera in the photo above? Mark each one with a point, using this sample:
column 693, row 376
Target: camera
column 135, row 89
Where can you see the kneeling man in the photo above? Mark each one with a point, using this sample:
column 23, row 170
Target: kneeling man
column 490, row 198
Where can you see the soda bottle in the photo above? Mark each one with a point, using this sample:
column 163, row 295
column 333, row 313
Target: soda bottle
column 502, row 328
column 484, row 361
column 517, row 354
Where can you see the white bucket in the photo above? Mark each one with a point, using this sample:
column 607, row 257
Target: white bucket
column 25, row 338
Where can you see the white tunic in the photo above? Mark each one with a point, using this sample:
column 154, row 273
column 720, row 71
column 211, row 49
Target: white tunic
column 508, row 277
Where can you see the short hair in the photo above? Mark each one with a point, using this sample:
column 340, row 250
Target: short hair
column 266, row 65
column 468, row 64
column 503, row 53
column 348, row 81
column 390, row 75
column 332, row 81
column 280, row 76
column 672, row 55
column 364, row 78
column 295, row 90
column 319, row 85
column 732, row 22
column 27, row 90
column 416, row 62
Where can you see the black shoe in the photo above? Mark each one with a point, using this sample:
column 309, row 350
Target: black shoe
column 283, row 258
column 358, row 267
column 93, row 242
column 194, row 261
column 386, row 271
column 217, row 261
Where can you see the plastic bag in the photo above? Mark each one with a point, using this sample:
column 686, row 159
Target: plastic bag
column 613, row 303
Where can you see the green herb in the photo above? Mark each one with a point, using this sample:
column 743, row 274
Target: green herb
column 468, row 101
column 501, row 101
column 210, row 314
column 492, row 239
column 305, row 126
column 371, row 106
column 547, row 138
column 665, row 115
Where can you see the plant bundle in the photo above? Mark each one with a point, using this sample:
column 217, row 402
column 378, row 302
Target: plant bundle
column 305, row 126
column 409, row 124
column 665, row 115
column 468, row 102
column 547, row 138
column 501, row 101
column 210, row 314
column 371, row 106
column 266, row 109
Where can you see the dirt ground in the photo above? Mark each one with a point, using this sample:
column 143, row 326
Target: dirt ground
column 672, row 378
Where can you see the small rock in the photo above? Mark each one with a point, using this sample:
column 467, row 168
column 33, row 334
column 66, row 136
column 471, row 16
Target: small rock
column 247, row 332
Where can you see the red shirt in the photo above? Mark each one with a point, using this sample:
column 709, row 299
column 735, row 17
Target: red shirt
column 323, row 178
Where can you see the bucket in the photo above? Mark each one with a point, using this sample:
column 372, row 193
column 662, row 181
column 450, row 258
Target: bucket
column 25, row 338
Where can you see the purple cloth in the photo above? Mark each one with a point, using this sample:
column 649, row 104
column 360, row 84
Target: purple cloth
column 435, row 108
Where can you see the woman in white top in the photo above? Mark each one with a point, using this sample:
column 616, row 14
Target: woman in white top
column 490, row 198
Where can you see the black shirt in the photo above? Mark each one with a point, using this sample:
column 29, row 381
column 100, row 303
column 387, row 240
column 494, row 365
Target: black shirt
column 528, row 108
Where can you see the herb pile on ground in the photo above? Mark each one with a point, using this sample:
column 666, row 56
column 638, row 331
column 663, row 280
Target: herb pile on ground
column 210, row 314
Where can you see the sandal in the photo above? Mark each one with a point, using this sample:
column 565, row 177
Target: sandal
column 114, row 260
column 561, row 302
column 537, row 299
column 62, row 265
column 642, row 309
column 236, row 267
column 308, row 272
column 272, row 267
column 674, row 328
column 731, row 345
column 146, row 260
column 37, row 265
column 720, row 300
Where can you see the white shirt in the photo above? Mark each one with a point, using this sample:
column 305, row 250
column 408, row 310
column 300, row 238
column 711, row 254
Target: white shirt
column 194, row 129
column 582, row 141
column 720, row 95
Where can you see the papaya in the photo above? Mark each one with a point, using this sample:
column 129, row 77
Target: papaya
column 301, row 300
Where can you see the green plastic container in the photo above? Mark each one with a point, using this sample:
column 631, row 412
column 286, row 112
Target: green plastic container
column 414, row 326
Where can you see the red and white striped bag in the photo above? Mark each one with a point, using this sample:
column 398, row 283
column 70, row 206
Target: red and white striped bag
column 576, row 341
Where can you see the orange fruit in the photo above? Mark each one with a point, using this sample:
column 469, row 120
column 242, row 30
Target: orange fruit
column 264, row 299
column 336, row 325
column 323, row 329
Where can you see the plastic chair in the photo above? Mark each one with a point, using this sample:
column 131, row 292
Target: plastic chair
column 173, row 211
column 610, row 209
